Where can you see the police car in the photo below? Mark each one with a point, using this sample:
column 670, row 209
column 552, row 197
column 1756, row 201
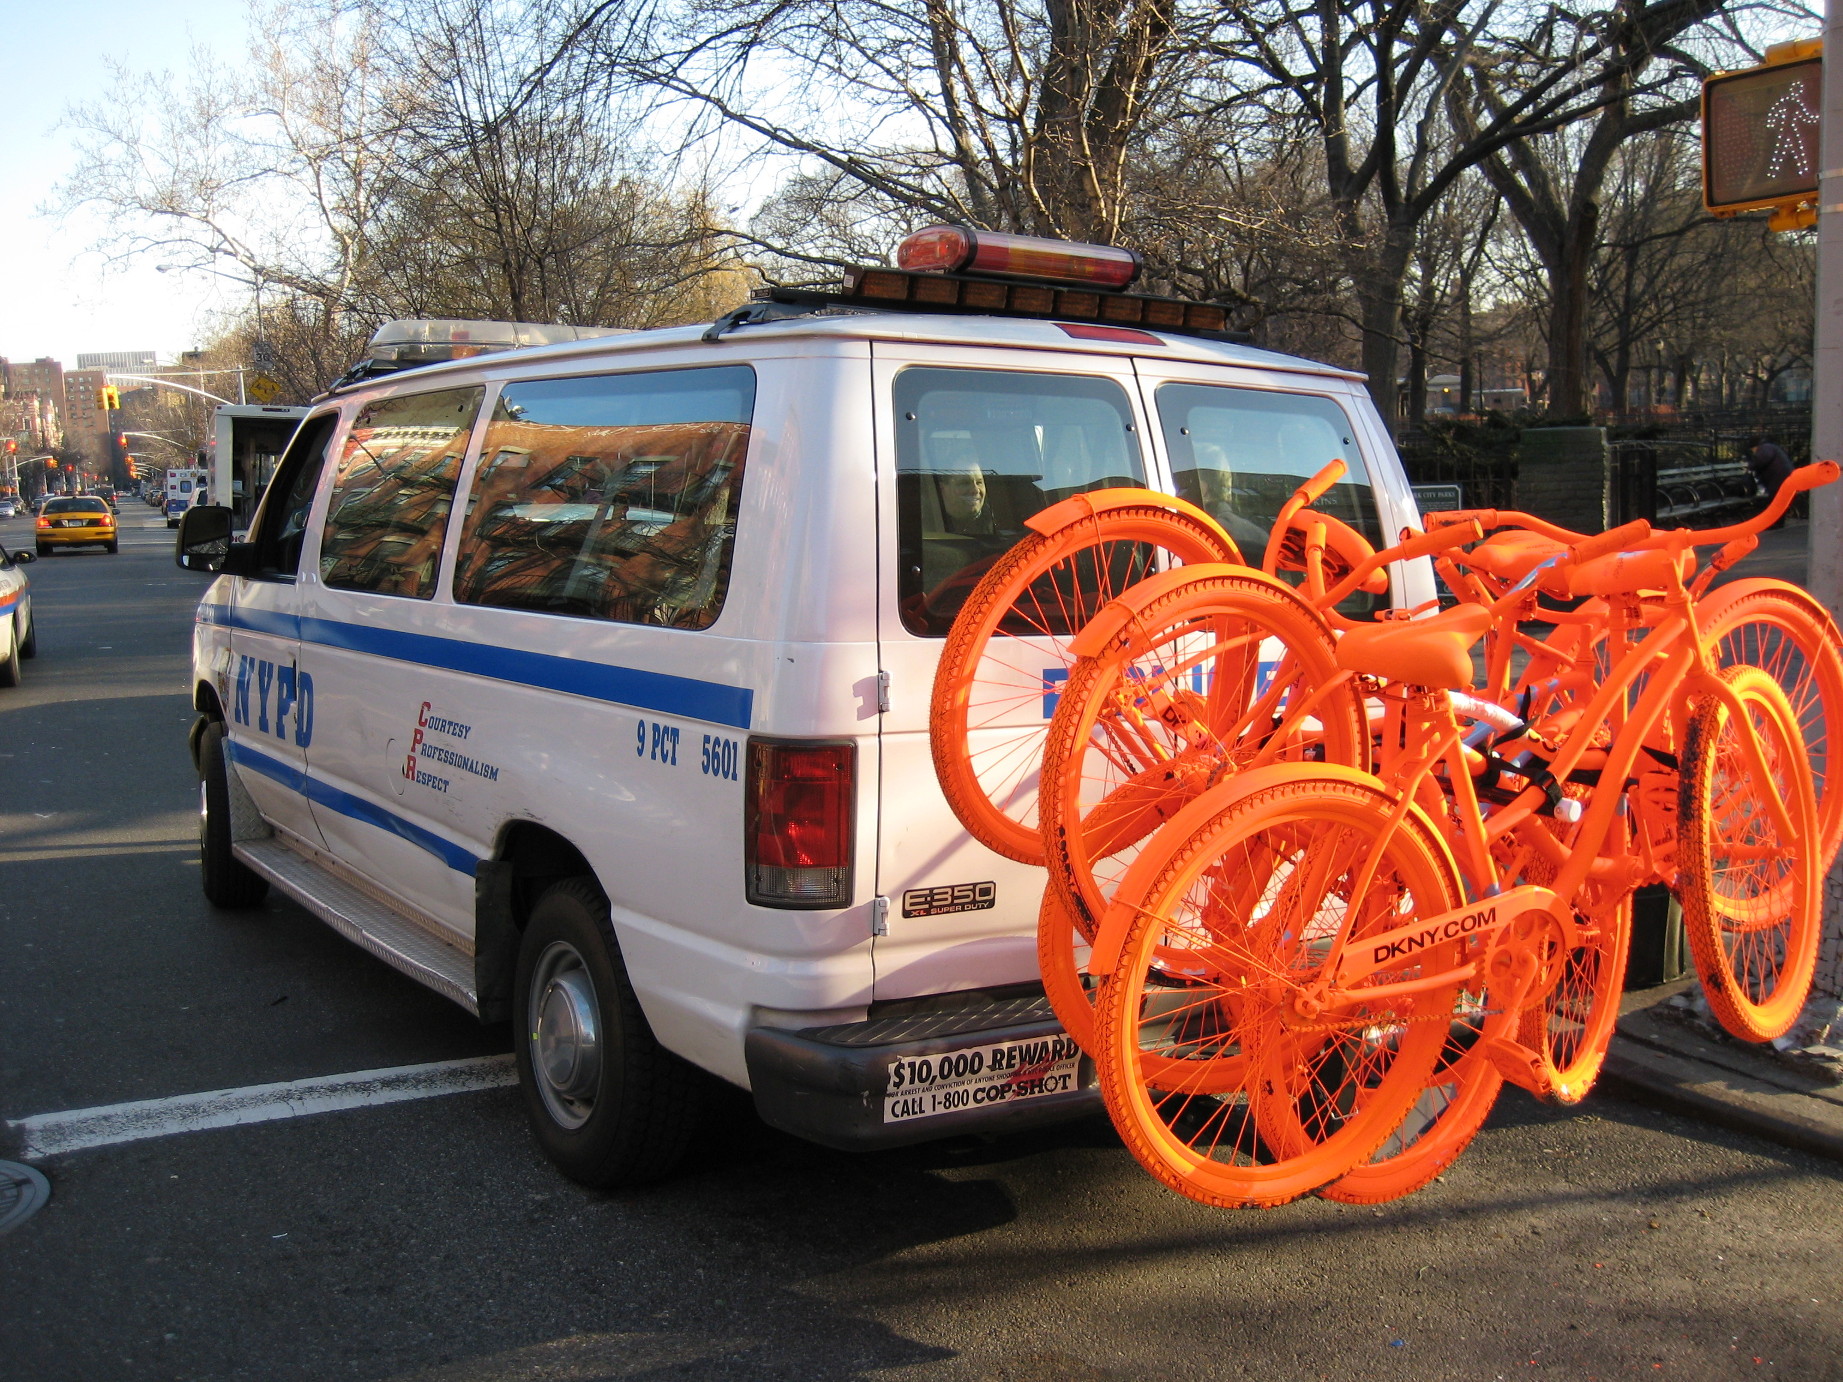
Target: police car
column 18, row 637
column 587, row 681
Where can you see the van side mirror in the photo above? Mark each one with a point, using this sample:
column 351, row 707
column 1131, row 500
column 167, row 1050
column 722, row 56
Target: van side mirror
column 204, row 538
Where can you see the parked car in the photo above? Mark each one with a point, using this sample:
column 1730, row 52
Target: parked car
column 77, row 521
column 9, row 508
column 18, row 633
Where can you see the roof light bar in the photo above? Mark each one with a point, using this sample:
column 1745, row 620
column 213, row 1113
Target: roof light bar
column 425, row 340
column 958, row 249
column 942, row 292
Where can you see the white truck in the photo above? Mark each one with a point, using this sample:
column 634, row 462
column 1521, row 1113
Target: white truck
column 247, row 440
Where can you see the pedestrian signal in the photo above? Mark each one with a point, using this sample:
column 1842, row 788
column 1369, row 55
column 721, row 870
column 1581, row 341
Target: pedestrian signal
column 1760, row 136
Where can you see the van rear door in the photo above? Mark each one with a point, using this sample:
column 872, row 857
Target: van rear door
column 970, row 444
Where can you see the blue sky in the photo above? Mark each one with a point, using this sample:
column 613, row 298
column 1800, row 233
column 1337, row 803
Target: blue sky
column 57, row 300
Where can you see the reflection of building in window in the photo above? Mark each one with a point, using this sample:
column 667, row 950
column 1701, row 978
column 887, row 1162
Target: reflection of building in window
column 389, row 508
column 634, row 524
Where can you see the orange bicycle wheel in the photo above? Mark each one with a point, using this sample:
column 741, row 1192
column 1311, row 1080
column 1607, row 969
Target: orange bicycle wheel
column 1220, row 675
column 1570, row 1028
column 1751, row 897
column 1464, row 1086
column 1570, row 1024
column 1235, row 926
column 1065, row 982
column 1787, row 634
column 1007, row 653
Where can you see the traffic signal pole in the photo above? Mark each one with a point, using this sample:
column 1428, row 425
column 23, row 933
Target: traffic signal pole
column 1824, row 1016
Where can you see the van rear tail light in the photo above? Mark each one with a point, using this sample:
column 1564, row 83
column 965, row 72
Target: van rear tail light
column 956, row 249
column 797, row 813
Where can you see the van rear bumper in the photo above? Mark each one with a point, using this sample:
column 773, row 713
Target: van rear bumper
column 891, row 1081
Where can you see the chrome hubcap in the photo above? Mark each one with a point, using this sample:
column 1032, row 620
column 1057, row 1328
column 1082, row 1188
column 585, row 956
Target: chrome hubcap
column 566, row 1049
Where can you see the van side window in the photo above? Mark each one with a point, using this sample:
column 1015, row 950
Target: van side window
column 610, row 497
column 1238, row 454
column 980, row 451
column 392, row 492
column 280, row 525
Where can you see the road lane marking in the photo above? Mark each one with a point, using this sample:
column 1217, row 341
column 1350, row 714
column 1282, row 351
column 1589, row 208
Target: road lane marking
column 51, row 1134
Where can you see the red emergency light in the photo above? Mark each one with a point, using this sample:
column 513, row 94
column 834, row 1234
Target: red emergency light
column 958, row 249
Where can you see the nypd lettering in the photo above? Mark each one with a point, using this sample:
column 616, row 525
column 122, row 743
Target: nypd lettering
column 274, row 699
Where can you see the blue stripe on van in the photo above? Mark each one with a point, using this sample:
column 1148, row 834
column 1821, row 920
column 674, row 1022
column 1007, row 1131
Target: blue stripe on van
column 356, row 808
column 661, row 692
column 9, row 603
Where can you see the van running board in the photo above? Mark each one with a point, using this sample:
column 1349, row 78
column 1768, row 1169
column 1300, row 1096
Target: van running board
column 367, row 921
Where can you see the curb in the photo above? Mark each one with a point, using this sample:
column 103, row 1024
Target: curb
column 1669, row 1065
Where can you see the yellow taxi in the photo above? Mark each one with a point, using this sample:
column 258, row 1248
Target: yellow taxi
column 81, row 520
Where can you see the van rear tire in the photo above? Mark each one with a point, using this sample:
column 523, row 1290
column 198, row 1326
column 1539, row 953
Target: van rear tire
column 607, row 1103
column 228, row 882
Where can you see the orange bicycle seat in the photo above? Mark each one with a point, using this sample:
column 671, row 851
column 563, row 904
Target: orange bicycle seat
column 1422, row 652
column 1510, row 555
column 1620, row 573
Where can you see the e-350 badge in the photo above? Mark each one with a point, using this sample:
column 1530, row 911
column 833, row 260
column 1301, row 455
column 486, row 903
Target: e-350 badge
column 950, row 897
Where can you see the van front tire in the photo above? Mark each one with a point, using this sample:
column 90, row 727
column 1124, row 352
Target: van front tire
column 607, row 1103
column 229, row 883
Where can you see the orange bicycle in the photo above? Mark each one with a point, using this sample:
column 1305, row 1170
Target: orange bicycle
column 1299, row 924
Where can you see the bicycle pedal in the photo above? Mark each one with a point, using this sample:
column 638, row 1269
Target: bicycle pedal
column 1518, row 1064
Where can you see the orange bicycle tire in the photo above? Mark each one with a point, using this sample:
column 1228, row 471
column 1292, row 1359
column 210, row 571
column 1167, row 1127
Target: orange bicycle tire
column 1784, row 632
column 1109, row 784
column 1570, row 1028
column 1064, row 983
column 1751, row 900
column 989, row 787
column 1258, row 834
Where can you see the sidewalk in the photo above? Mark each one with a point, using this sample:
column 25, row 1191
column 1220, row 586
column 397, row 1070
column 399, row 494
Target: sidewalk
column 1663, row 1055
column 1667, row 1053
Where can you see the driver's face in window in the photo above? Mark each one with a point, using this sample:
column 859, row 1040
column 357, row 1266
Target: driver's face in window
column 963, row 494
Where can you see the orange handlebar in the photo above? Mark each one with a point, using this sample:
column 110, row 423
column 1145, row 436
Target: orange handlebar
column 1612, row 540
column 1416, row 545
column 1306, row 495
column 1314, row 489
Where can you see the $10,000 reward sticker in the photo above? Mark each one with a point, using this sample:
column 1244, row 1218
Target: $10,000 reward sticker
column 1005, row 1072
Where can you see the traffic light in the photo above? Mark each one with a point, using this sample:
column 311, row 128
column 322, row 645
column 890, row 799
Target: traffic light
column 109, row 399
column 1760, row 136
column 12, row 446
column 122, row 441
column 51, row 463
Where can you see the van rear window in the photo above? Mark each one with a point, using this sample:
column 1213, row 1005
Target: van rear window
column 1239, row 454
column 980, row 451
column 610, row 497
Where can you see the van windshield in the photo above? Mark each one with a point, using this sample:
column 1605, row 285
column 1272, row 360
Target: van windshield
column 980, row 451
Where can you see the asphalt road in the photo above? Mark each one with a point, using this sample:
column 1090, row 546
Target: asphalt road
column 428, row 1240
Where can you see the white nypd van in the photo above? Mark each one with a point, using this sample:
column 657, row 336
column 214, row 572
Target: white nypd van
column 587, row 683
